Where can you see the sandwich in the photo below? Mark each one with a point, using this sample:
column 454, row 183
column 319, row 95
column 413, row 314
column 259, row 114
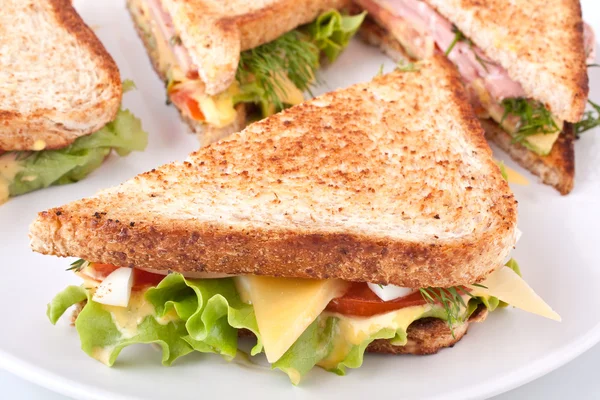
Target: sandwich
column 59, row 100
column 523, row 63
column 371, row 218
column 227, row 63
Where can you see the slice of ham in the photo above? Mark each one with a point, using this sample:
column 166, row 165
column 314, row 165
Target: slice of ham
column 469, row 60
column 167, row 31
column 589, row 42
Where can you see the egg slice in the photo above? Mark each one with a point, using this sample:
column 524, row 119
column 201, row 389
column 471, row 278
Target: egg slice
column 115, row 289
column 389, row 292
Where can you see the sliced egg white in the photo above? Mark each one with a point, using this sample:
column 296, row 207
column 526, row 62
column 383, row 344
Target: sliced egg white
column 115, row 289
column 389, row 292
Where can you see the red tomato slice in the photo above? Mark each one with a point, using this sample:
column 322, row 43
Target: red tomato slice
column 182, row 99
column 361, row 301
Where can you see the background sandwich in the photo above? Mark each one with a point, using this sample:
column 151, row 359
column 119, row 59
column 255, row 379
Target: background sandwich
column 370, row 218
column 226, row 63
column 523, row 62
column 60, row 93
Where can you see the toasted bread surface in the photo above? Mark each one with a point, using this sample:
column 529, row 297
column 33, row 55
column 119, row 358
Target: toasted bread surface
column 206, row 133
column 557, row 169
column 57, row 82
column 390, row 181
column 216, row 31
column 539, row 42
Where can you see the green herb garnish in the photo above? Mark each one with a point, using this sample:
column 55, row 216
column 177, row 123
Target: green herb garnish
column 78, row 265
column 407, row 66
column 590, row 120
column 292, row 55
column 458, row 37
column 450, row 299
column 534, row 118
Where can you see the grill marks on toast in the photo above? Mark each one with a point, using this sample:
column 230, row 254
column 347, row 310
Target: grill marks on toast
column 388, row 182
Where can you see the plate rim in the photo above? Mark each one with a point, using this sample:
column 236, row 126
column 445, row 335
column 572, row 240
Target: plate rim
column 518, row 377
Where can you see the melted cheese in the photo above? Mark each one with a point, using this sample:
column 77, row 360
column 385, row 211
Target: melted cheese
column 9, row 168
column 218, row 110
column 509, row 287
column 353, row 331
column 285, row 307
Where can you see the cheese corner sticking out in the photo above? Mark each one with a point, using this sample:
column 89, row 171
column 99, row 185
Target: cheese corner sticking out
column 115, row 289
column 509, row 287
column 389, row 292
column 513, row 176
column 285, row 307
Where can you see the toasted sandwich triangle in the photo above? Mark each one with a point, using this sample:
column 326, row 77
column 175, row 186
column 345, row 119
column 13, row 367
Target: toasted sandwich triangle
column 539, row 42
column 57, row 81
column 389, row 181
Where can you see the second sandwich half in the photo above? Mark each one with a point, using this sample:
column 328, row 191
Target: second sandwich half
column 227, row 63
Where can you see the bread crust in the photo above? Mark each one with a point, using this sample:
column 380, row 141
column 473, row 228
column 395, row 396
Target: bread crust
column 252, row 204
column 557, row 169
column 205, row 133
column 50, row 126
column 215, row 32
column 428, row 336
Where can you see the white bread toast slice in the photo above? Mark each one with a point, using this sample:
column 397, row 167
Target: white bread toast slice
column 57, row 82
column 557, row 169
column 389, row 181
column 539, row 42
column 215, row 32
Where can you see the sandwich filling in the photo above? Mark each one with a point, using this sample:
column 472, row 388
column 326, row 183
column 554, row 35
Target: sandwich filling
column 270, row 77
column 422, row 31
column 25, row 171
column 298, row 323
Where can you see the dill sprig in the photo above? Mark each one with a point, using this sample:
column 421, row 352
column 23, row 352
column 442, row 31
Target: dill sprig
column 590, row 120
column 78, row 265
column 292, row 55
column 451, row 300
column 534, row 117
column 458, row 37
column 407, row 66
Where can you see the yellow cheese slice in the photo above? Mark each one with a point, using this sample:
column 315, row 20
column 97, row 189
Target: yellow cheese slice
column 509, row 287
column 285, row 307
column 513, row 176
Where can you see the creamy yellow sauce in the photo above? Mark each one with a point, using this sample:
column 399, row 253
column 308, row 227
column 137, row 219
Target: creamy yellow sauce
column 127, row 319
column 9, row 168
column 352, row 331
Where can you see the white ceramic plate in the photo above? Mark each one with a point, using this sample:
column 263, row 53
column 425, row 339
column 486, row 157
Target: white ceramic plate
column 558, row 254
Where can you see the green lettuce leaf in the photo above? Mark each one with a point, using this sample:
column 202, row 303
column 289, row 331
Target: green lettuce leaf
column 332, row 31
column 40, row 169
column 186, row 316
column 211, row 309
